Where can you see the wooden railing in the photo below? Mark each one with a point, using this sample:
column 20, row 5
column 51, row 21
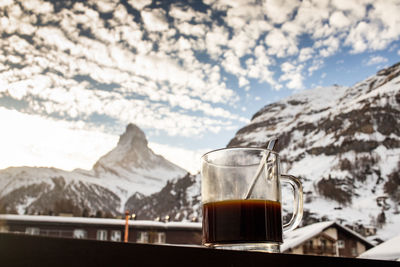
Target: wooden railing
column 319, row 250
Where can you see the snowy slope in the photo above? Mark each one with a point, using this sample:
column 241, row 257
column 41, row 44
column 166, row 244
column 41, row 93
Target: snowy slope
column 179, row 199
column 344, row 143
column 129, row 168
column 389, row 250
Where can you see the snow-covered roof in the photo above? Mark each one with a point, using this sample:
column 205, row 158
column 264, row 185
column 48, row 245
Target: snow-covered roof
column 389, row 250
column 366, row 241
column 298, row 236
column 101, row 221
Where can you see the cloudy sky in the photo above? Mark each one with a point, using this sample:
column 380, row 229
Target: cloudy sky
column 73, row 74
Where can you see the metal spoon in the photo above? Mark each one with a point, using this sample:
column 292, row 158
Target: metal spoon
column 264, row 159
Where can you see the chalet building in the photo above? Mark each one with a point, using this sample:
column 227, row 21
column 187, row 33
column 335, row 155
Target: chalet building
column 140, row 231
column 326, row 239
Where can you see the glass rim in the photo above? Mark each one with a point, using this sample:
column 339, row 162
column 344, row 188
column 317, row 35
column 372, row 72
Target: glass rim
column 237, row 149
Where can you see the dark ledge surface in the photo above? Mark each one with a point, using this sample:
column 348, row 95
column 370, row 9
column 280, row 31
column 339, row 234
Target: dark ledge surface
column 24, row 250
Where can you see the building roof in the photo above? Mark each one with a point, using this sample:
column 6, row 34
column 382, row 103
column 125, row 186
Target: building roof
column 389, row 250
column 99, row 221
column 298, row 236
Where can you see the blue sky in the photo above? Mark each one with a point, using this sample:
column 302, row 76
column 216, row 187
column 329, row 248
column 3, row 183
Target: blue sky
column 189, row 73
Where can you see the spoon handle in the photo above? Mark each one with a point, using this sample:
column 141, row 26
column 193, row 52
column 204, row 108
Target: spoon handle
column 264, row 159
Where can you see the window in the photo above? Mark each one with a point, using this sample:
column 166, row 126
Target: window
column 101, row 235
column 80, row 234
column 142, row 237
column 323, row 244
column 340, row 244
column 32, row 231
column 115, row 235
column 160, row 238
column 354, row 251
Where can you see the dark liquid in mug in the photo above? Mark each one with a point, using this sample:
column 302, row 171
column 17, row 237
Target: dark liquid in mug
column 242, row 221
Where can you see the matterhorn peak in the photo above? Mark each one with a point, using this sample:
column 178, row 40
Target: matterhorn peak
column 132, row 154
column 131, row 151
column 132, row 135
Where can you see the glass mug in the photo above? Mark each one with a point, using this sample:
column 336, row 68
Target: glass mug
column 241, row 197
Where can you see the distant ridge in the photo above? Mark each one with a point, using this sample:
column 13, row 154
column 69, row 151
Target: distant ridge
column 128, row 169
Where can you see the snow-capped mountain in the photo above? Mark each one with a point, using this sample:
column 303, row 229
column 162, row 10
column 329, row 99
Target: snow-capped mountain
column 130, row 168
column 135, row 165
column 344, row 144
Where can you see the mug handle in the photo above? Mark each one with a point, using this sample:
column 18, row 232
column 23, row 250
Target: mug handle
column 297, row 202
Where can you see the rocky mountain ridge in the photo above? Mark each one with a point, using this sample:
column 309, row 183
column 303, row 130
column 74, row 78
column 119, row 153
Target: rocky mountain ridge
column 344, row 143
column 178, row 200
column 130, row 168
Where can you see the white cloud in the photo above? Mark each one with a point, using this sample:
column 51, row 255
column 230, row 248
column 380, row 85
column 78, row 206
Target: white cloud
column 187, row 159
column 186, row 13
column 37, row 6
column 139, row 4
column 155, row 20
column 357, row 38
column 259, row 67
column 54, row 37
column 373, row 60
column 216, row 38
column 278, row 11
column 291, row 28
column 191, row 29
column 378, row 31
column 287, row 67
column 76, row 101
column 31, row 140
column 315, row 65
column 115, row 64
column 5, row 3
column 339, row 20
column 384, row 15
column 241, row 44
column 292, row 74
column 280, row 45
column 106, row 5
column 243, row 81
column 357, row 9
column 310, row 17
column 231, row 63
column 162, row 88
column 305, row 54
column 241, row 13
column 327, row 46
column 398, row 52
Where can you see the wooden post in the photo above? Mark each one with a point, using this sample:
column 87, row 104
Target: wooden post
column 126, row 226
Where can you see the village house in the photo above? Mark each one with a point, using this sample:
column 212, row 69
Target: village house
column 325, row 239
column 140, row 231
